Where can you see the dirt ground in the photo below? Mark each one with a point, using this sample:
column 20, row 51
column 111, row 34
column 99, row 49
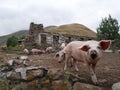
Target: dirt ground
column 108, row 68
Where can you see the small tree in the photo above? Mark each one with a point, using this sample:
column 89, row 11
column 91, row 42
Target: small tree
column 12, row 41
column 108, row 29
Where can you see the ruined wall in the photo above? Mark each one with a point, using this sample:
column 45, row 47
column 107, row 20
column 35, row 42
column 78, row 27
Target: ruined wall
column 32, row 38
column 37, row 36
column 35, row 28
column 55, row 40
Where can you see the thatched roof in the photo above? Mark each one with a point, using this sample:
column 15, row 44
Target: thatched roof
column 72, row 29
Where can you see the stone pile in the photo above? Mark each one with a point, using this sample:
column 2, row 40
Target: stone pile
column 15, row 75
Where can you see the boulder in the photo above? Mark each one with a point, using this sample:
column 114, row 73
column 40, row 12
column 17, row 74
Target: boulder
column 83, row 86
column 116, row 86
column 59, row 85
column 31, row 72
column 55, row 73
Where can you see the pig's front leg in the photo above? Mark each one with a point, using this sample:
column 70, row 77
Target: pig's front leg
column 65, row 67
column 76, row 65
column 67, row 57
column 92, row 72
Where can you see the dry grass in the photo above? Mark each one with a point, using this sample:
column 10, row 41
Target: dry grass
column 3, row 58
column 72, row 29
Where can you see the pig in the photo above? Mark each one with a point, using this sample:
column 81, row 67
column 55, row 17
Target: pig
column 49, row 49
column 62, row 46
column 35, row 51
column 61, row 57
column 88, row 52
column 26, row 51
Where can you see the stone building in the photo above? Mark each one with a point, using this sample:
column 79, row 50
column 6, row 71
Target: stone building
column 38, row 36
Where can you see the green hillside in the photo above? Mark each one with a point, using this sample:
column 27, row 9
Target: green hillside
column 4, row 38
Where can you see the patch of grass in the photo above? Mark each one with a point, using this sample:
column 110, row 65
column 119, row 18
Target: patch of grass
column 4, row 85
column 3, row 58
column 16, row 48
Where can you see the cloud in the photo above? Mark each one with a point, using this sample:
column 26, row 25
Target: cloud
column 17, row 14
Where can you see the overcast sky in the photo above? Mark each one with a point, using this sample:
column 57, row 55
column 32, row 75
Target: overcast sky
column 16, row 15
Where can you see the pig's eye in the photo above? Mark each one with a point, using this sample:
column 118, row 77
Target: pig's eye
column 99, row 47
column 88, row 48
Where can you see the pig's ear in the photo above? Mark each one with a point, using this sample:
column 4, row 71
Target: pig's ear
column 84, row 48
column 57, row 54
column 105, row 44
column 63, row 55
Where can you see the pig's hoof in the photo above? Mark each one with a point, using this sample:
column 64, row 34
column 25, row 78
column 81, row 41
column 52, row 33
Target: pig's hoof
column 65, row 69
column 102, row 81
column 95, row 81
column 77, row 69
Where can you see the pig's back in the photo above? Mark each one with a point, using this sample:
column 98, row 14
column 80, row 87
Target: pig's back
column 73, row 46
column 73, row 50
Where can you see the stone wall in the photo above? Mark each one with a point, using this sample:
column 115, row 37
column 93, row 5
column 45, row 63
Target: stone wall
column 115, row 45
column 55, row 40
column 15, row 76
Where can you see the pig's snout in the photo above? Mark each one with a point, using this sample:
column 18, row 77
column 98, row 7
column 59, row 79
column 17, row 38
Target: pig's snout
column 59, row 61
column 93, row 54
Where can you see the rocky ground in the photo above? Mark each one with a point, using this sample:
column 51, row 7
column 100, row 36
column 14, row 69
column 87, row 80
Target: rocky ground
column 107, row 69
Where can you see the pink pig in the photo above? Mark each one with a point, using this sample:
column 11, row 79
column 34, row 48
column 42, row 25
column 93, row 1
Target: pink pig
column 35, row 51
column 49, row 49
column 61, row 57
column 26, row 51
column 88, row 52
column 62, row 46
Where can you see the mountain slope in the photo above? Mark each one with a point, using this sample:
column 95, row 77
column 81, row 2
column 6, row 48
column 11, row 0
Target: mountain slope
column 21, row 33
column 72, row 29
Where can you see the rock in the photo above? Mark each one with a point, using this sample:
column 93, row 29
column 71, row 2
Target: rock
column 75, row 78
column 13, row 76
column 116, row 86
column 5, row 68
column 11, row 62
column 55, row 74
column 3, row 75
column 23, row 57
column 22, row 71
column 31, row 72
column 59, row 85
column 83, row 86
